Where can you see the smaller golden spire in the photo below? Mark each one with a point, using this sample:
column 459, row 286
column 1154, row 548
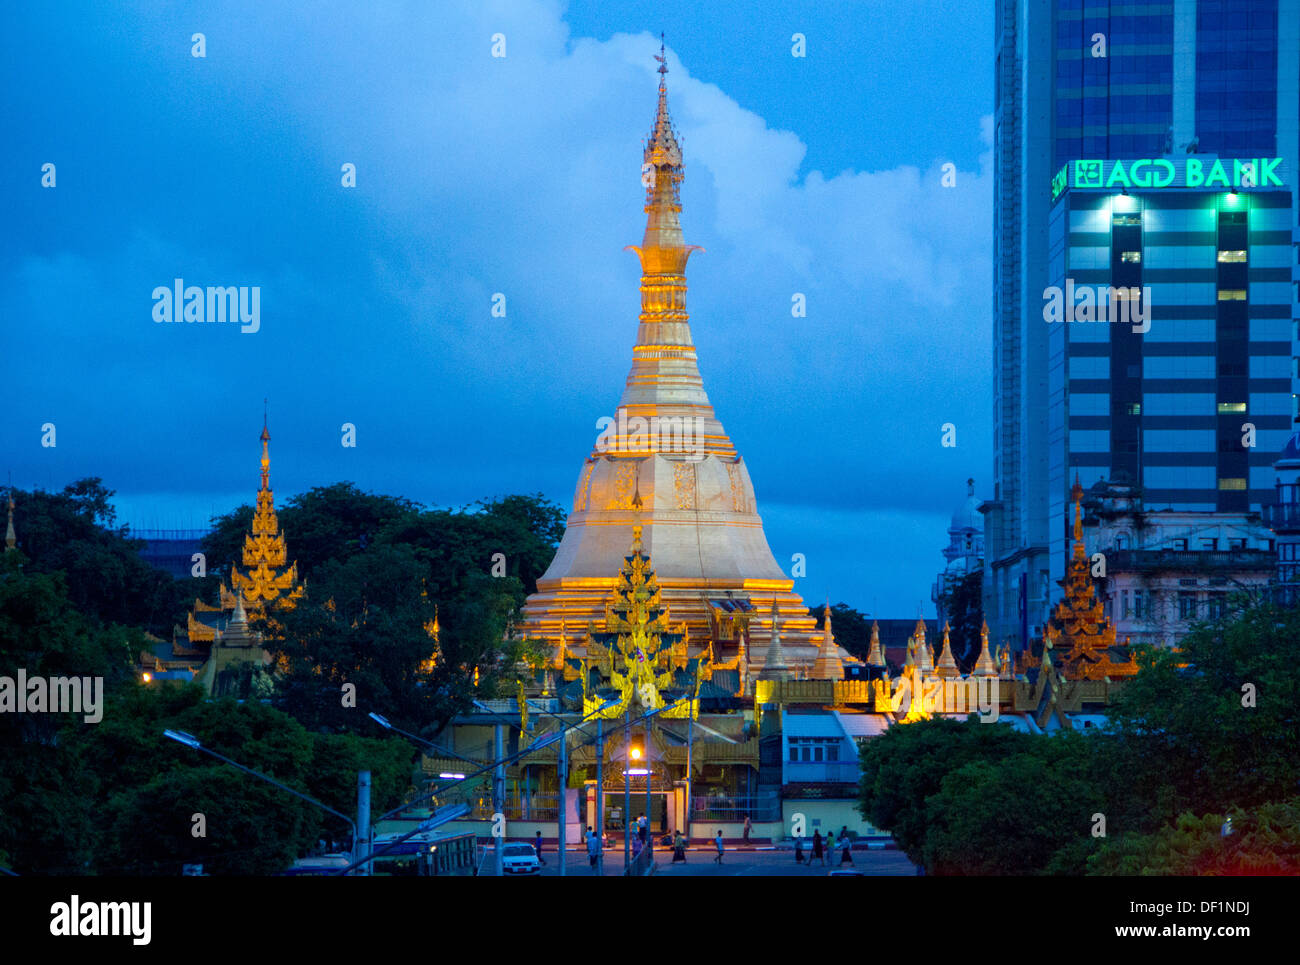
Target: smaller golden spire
column 947, row 663
column 874, row 657
column 984, row 665
column 774, row 665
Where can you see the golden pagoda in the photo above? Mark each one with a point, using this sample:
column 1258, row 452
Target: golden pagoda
column 666, row 444
column 638, row 645
column 219, row 638
column 269, row 577
column 1085, row 633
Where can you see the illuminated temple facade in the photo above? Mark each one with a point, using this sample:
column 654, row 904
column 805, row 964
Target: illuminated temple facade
column 217, row 645
column 665, row 463
column 664, row 599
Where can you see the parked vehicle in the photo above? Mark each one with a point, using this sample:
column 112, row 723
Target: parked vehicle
column 520, row 859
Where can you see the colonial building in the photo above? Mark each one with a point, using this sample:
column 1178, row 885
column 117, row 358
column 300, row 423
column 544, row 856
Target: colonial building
column 1283, row 518
column 964, row 553
column 1162, row 571
column 216, row 647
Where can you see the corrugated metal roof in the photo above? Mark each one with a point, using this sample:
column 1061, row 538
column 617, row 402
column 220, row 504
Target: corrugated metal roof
column 863, row 725
column 817, row 724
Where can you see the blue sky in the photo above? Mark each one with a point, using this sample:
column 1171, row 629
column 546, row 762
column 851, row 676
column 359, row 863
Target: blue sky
column 475, row 175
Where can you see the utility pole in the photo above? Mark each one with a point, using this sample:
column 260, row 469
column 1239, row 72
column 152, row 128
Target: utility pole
column 690, row 734
column 563, row 812
column 498, row 797
column 627, row 789
column 649, row 771
column 363, row 820
column 600, row 794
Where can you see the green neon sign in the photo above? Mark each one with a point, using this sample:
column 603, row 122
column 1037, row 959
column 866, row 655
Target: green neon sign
column 1191, row 171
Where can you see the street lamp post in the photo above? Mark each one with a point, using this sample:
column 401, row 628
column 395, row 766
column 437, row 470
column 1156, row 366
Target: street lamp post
column 600, row 794
column 498, row 797
column 649, row 769
column 189, row 740
column 562, row 813
column 627, row 788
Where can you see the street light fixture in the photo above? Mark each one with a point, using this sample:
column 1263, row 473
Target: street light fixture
column 189, row 740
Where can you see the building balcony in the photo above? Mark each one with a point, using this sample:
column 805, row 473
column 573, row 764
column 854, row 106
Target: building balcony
column 1282, row 517
column 1190, row 561
column 822, row 772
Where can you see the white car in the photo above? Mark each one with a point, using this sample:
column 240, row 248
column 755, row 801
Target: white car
column 520, row 859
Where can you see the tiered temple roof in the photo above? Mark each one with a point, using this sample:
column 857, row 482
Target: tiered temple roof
column 1080, row 632
column 267, row 582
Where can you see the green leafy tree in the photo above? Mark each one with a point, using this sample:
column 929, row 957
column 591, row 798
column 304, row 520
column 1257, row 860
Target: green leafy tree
column 1010, row 816
column 75, row 532
column 45, row 779
column 1213, row 725
column 905, row 766
column 1264, row 841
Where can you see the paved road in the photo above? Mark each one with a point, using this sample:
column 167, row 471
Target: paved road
column 740, row 864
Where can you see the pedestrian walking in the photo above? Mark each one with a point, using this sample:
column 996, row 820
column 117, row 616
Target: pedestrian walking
column 830, row 845
column 718, row 841
column 817, row 852
column 798, row 849
column 748, row 827
column 537, row 844
column 846, row 845
column 679, row 848
column 593, row 848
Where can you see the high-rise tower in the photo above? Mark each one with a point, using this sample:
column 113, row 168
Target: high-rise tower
column 1144, row 164
column 666, row 463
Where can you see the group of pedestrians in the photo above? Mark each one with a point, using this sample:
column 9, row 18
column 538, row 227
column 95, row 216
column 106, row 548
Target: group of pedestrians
column 823, row 847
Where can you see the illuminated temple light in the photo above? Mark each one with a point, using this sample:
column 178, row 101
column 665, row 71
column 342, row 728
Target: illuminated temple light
column 699, row 512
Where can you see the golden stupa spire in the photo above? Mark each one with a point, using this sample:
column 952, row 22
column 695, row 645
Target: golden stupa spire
column 269, row 575
column 984, row 665
column 774, row 665
column 874, row 656
column 947, row 666
column 828, row 666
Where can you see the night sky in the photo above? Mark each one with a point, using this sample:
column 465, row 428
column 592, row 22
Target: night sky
column 520, row 175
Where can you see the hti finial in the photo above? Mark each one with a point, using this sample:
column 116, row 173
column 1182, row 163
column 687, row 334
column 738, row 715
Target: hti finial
column 662, row 58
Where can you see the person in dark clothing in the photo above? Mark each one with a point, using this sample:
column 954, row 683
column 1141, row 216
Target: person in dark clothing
column 679, row 848
column 537, row 844
column 798, row 850
column 817, row 852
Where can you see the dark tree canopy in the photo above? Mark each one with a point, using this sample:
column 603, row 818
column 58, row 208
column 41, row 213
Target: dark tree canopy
column 75, row 532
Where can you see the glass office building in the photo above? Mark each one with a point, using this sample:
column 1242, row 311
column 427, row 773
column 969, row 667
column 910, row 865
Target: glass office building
column 1144, row 172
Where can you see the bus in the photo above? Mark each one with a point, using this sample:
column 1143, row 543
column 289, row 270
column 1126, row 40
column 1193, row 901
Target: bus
column 428, row 853
column 421, row 855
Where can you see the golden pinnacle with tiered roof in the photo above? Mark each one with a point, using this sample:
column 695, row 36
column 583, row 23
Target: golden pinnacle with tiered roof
column 270, row 577
column 1085, row 633
column 666, row 444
